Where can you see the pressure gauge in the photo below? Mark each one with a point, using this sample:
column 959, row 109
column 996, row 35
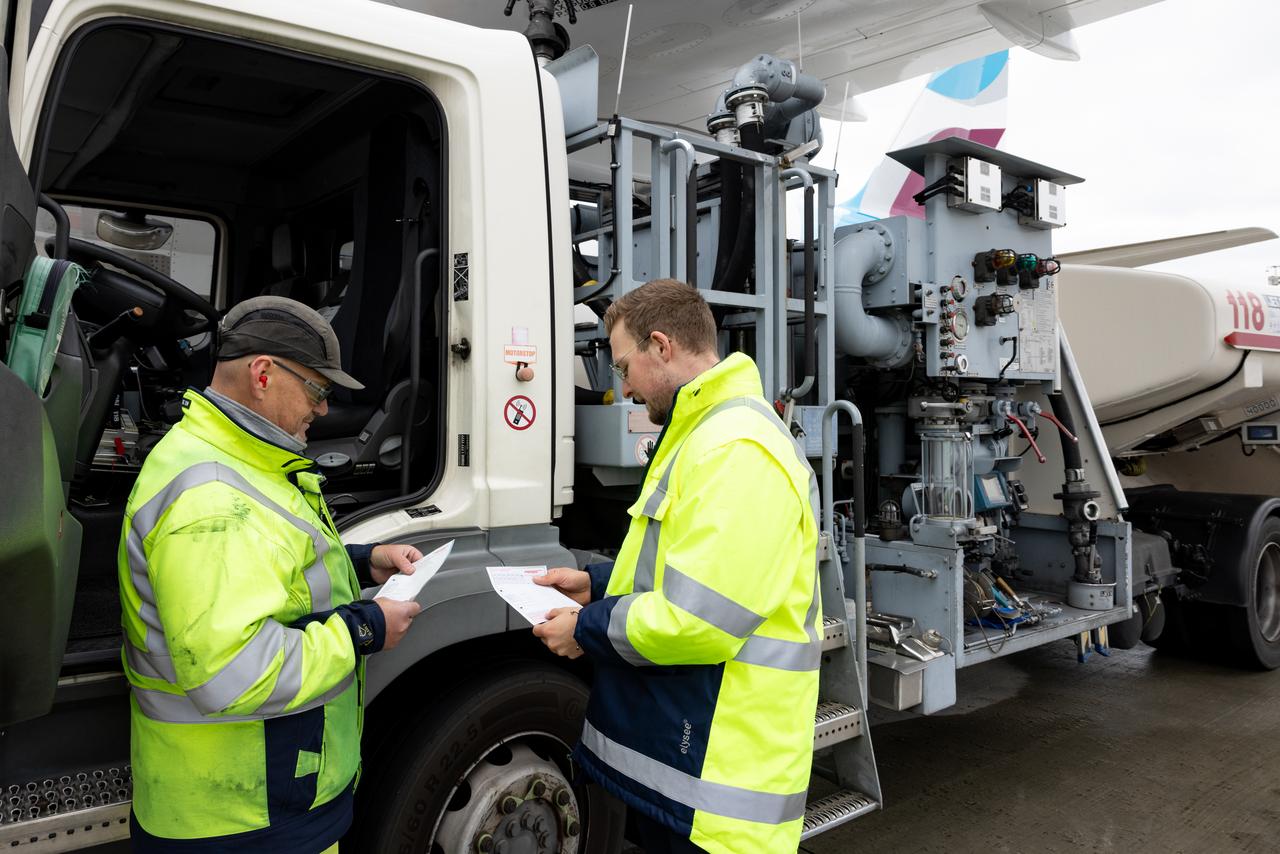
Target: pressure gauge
column 959, row 287
column 959, row 325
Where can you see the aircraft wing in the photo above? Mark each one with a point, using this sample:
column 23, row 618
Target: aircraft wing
column 1168, row 249
column 684, row 52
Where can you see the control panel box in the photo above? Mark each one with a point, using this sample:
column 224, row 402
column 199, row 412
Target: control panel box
column 984, row 282
column 1050, row 206
column 980, row 192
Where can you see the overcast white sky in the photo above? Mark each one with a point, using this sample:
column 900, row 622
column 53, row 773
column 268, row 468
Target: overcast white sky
column 1172, row 117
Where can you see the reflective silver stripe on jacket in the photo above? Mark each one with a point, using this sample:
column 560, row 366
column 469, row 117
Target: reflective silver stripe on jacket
column 252, row 661
column 618, row 632
column 706, row 603
column 178, row 708
column 703, row 795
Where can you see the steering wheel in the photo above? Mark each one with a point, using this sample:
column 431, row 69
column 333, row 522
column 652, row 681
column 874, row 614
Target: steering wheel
column 180, row 302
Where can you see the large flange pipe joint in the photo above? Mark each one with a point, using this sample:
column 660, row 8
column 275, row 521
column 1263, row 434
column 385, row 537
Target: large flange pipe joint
column 866, row 256
column 747, row 104
column 886, row 254
column 722, row 124
column 724, row 127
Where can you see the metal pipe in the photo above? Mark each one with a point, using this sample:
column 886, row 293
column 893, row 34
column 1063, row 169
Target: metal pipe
column 867, row 255
column 690, row 207
column 858, row 560
column 780, row 79
column 415, row 367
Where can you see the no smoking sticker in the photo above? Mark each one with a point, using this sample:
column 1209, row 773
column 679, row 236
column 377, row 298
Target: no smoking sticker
column 519, row 412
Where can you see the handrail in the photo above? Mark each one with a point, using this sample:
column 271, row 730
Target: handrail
column 690, row 206
column 858, row 554
column 810, row 365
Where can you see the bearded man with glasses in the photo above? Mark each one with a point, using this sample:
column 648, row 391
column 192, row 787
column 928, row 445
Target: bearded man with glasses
column 704, row 632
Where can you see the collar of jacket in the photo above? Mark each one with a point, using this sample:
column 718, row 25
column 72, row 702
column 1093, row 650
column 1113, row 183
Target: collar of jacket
column 733, row 376
column 206, row 421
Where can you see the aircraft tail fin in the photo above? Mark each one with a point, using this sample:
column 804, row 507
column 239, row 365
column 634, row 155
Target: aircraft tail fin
column 968, row 100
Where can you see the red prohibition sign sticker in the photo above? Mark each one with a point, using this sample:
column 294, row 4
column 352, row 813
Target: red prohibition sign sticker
column 519, row 412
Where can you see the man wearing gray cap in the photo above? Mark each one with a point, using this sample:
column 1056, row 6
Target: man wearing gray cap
column 244, row 637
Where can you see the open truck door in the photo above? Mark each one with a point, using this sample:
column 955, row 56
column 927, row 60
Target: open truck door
column 39, row 539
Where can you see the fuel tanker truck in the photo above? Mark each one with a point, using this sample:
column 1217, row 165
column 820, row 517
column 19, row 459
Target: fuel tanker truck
column 1010, row 450
column 1184, row 378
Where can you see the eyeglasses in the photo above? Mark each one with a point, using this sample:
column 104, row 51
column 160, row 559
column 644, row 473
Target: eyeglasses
column 318, row 393
column 619, row 369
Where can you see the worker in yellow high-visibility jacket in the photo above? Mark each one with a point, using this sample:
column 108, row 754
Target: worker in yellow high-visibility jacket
column 704, row 632
column 243, row 637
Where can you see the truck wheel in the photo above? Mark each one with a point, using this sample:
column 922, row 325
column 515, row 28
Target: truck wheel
column 1126, row 633
column 1255, row 628
column 1154, row 614
column 1168, row 631
column 487, row 770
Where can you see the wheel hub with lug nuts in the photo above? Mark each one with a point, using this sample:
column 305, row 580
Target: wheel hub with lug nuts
column 523, row 805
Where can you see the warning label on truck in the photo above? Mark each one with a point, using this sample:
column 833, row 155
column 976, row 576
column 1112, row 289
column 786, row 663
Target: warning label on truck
column 1256, row 320
column 519, row 412
column 520, row 354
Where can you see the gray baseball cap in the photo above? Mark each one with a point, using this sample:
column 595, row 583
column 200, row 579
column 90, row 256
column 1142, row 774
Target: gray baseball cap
column 278, row 326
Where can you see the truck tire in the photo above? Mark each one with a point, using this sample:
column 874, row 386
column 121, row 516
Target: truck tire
column 1170, row 632
column 1126, row 633
column 1255, row 628
column 489, row 759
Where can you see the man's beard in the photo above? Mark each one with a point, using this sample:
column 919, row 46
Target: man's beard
column 659, row 410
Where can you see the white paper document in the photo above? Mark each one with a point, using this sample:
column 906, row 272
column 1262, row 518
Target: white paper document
column 405, row 588
column 532, row 601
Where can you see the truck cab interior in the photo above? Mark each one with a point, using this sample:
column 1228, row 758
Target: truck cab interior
column 187, row 173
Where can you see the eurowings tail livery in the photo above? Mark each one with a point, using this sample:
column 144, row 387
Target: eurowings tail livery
column 968, row 100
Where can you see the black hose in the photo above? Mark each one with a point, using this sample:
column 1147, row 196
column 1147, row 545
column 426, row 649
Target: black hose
column 1070, row 450
column 744, row 244
column 691, row 226
column 613, row 171
column 730, row 201
column 859, row 484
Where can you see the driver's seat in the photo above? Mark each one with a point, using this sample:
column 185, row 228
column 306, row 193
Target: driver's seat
column 376, row 306
column 289, row 261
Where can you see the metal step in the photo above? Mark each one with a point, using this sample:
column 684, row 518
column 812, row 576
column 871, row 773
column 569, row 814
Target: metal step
column 74, row 810
column 834, row 723
column 834, row 810
column 833, row 633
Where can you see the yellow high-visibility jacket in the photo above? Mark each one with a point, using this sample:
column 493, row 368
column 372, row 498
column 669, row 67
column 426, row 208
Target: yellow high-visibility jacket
column 242, row 645
column 706, row 639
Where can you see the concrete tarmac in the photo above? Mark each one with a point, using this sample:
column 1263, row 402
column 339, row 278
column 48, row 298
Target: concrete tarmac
column 1138, row 752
